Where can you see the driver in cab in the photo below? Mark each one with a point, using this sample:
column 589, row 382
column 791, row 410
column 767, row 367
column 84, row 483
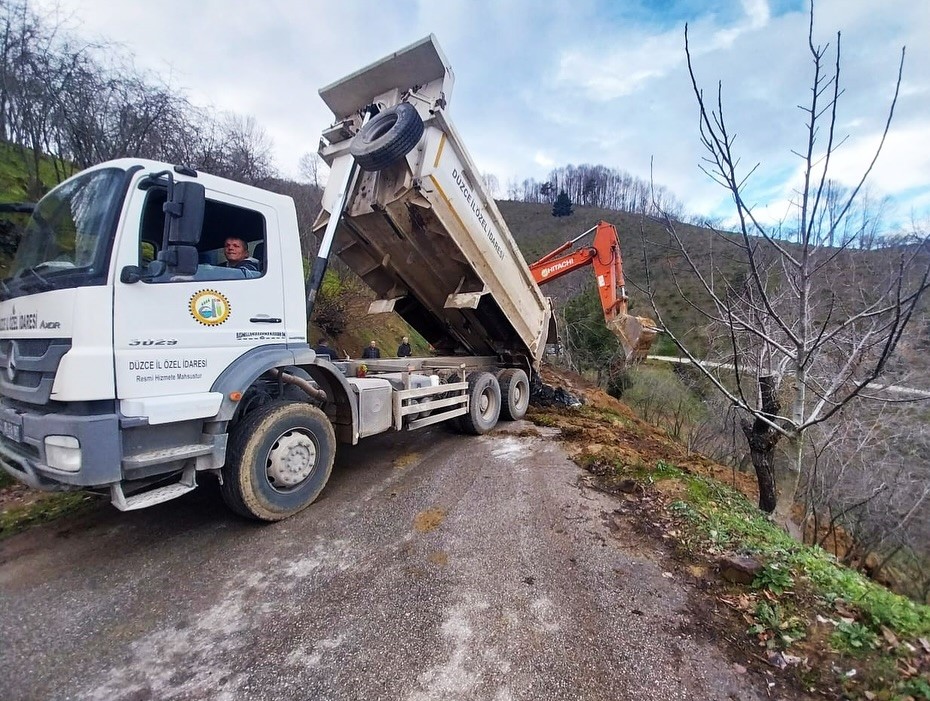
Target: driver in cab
column 237, row 255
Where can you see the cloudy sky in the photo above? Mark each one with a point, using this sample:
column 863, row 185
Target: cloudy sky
column 544, row 84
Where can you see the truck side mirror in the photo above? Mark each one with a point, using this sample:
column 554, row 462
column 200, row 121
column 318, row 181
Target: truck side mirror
column 131, row 274
column 185, row 214
column 179, row 259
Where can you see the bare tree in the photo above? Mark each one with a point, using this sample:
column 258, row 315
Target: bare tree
column 805, row 327
column 247, row 151
column 492, row 184
column 37, row 61
column 309, row 167
column 600, row 186
column 79, row 103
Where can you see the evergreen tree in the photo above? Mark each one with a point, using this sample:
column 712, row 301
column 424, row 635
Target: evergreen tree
column 562, row 207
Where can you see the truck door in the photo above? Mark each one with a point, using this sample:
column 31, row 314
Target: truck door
column 174, row 336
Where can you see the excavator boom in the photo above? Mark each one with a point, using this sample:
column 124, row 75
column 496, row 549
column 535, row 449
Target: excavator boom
column 636, row 333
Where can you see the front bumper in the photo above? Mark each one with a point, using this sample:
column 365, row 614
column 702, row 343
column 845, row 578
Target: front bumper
column 22, row 448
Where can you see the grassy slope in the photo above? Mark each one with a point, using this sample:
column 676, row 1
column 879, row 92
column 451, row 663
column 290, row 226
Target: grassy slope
column 13, row 180
column 385, row 329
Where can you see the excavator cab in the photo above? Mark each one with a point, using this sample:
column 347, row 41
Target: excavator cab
column 635, row 333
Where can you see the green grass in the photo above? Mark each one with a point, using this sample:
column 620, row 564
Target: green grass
column 719, row 519
column 13, row 179
column 739, row 525
column 16, row 519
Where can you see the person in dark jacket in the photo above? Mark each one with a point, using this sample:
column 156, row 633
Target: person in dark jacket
column 403, row 350
column 372, row 351
column 322, row 348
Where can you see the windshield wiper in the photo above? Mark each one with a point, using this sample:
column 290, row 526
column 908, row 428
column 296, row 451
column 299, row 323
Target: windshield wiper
column 44, row 284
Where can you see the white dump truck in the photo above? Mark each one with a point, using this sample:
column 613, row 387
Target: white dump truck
column 134, row 355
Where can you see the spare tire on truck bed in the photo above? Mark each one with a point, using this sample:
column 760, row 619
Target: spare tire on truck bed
column 387, row 137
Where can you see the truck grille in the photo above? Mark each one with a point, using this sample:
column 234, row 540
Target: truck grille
column 28, row 367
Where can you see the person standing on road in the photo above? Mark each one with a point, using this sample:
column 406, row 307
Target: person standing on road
column 403, row 350
column 372, row 351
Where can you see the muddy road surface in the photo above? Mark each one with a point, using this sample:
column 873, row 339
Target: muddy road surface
column 434, row 566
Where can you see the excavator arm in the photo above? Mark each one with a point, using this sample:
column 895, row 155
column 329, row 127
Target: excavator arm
column 635, row 333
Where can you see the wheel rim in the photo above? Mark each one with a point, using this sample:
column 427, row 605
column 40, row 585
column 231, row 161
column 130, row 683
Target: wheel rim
column 486, row 404
column 517, row 394
column 291, row 460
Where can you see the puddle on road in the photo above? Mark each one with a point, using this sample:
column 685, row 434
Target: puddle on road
column 507, row 447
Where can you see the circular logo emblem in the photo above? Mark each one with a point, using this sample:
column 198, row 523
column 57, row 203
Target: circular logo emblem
column 209, row 307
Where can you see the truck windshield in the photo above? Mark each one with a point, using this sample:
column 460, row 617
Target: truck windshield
column 67, row 241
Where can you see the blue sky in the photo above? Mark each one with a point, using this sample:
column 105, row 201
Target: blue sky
column 544, row 84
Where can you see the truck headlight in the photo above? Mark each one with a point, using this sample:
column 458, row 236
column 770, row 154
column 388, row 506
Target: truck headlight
column 63, row 453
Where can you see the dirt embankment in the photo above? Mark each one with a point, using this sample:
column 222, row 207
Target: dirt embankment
column 639, row 443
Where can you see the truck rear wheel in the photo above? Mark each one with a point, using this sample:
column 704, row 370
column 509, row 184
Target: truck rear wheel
column 278, row 460
column 387, row 137
column 484, row 404
column 515, row 393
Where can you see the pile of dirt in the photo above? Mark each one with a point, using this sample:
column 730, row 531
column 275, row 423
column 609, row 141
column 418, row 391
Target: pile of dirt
column 632, row 439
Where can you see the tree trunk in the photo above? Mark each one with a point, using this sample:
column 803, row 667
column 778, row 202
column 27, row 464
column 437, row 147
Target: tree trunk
column 787, row 479
column 762, row 439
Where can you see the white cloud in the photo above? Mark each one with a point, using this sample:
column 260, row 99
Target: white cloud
column 543, row 160
column 757, row 12
column 606, row 74
column 904, row 162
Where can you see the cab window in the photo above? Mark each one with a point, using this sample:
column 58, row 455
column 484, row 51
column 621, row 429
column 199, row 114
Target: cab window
column 232, row 243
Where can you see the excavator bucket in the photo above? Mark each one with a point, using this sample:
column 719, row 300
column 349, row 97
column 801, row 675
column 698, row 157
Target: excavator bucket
column 636, row 334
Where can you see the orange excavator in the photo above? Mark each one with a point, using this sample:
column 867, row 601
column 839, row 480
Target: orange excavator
column 636, row 333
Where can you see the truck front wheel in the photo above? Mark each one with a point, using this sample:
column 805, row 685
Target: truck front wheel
column 278, row 460
column 484, row 404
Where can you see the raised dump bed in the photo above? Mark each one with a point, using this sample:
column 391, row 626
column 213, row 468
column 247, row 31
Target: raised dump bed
column 422, row 231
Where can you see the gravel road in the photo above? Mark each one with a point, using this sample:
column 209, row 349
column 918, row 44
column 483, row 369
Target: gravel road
column 434, row 566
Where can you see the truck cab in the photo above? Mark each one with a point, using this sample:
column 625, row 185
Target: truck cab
column 117, row 341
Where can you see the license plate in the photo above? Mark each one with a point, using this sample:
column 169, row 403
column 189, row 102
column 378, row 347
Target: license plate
column 11, row 430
